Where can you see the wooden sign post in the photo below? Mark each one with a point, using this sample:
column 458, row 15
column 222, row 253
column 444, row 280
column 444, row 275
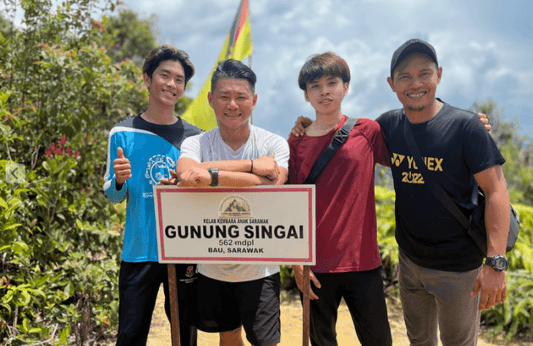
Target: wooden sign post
column 305, row 303
column 174, row 309
column 255, row 225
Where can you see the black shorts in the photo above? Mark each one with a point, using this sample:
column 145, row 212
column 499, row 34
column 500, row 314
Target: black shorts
column 138, row 288
column 225, row 306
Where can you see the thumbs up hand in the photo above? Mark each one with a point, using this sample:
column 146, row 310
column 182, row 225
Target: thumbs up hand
column 122, row 168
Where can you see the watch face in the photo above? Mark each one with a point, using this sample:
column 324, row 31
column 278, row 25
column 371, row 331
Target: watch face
column 497, row 262
column 500, row 263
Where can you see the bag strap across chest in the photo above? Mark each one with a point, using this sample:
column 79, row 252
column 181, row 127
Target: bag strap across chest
column 338, row 140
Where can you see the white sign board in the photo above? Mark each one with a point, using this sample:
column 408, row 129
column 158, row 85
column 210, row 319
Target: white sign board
column 260, row 224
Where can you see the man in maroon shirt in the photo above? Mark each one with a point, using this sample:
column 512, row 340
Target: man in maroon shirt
column 348, row 263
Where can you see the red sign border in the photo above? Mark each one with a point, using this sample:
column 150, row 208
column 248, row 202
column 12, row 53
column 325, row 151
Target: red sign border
column 224, row 190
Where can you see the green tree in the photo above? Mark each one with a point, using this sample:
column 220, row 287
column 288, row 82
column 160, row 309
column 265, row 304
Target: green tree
column 130, row 37
column 4, row 23
column 515, row 148
column 60, row 238
column 503, row 131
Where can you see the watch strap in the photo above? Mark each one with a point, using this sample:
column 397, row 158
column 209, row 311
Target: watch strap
column 493, row 262
column 214, row 176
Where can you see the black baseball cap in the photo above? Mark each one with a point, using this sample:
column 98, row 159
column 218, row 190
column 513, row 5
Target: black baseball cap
column 409, row 47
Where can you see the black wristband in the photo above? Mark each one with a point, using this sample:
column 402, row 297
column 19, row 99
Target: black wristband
column 252, row 166
column 214, row 176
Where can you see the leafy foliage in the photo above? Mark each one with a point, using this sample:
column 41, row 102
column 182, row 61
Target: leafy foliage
column 516, row 150
column 388, row 248
column 60, row 238
column 130, row 37
column 515, row 315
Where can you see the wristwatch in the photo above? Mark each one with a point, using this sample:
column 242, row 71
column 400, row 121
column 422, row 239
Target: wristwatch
column 498, row 262
column 214, row 175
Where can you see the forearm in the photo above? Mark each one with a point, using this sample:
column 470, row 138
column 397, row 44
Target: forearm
column 282, row 177
column 244, row 166
column 497, row 210
column 113, row 192
column 497, row 220
column 239, row 179
column 230, row 165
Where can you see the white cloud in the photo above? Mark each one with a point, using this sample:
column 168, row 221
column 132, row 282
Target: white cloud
column 477, row 43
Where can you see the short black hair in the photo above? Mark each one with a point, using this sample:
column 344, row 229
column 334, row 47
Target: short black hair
column 164, row 53
column 233, row 69
column 325, row 64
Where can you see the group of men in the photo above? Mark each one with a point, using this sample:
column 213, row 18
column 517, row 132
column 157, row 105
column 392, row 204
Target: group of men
column 443, row 282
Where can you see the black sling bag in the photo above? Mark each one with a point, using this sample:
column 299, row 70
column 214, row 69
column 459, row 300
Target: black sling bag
column 475, row 225
column 336, row 143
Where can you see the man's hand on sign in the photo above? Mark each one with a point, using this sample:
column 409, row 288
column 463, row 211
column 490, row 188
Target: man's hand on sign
column 195, row 177
column 299, row 276
column 122, row 168
column 173, row 180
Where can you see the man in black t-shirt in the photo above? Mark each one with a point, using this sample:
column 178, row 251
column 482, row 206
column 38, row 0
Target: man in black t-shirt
column 443, row 281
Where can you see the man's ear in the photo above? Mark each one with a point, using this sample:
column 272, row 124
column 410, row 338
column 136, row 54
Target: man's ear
column 439, row 74
column 391, row 83
column 147, row 80
column 254, row 100
column 305, row 96
column 346, row 88
column 210, row 99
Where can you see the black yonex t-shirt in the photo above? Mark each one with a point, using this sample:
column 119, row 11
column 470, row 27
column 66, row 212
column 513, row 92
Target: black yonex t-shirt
column 455, row 145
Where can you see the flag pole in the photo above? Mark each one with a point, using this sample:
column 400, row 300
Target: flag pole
column 238, row 45
column 250, row 57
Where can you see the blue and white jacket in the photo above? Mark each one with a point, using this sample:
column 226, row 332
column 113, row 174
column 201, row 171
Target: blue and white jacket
column 152, row 150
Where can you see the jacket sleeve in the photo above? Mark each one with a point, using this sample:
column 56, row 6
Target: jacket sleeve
column 110, row 188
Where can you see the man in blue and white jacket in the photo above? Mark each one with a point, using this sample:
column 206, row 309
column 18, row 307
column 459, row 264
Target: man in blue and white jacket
column 141, row 151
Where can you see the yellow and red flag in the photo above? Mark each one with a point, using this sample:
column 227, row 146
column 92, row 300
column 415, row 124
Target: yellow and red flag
column 238, row 46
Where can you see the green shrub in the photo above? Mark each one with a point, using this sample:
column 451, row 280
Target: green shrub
column 515, row 315
column 388, row 248
column 60, row 238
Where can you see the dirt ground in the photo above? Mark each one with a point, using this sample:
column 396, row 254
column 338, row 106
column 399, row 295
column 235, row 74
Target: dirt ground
column 291, row 327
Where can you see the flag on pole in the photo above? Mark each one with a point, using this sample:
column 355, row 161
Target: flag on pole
column 238, row 45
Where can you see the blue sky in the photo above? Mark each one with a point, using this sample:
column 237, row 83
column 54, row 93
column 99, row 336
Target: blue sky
column 484, row 46
column 485, row 49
